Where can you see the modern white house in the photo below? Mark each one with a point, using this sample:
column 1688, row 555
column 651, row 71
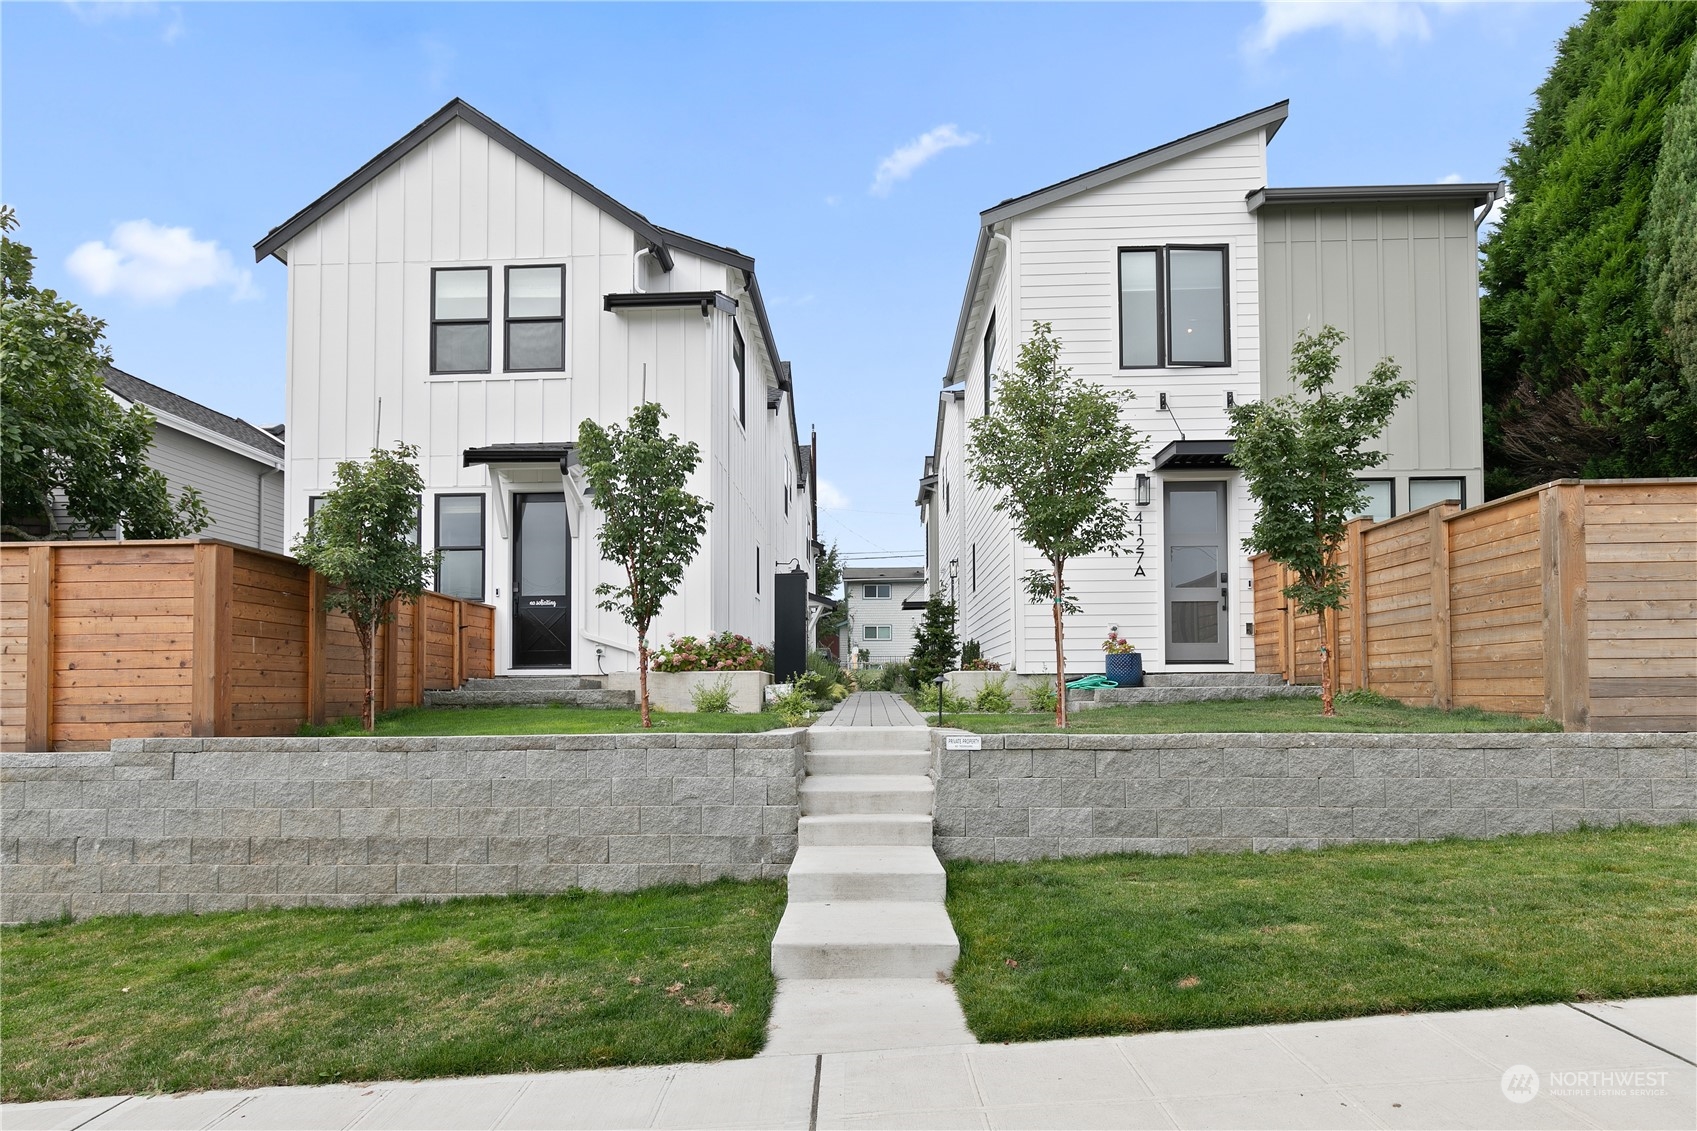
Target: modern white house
column 1179, row 276
column 466, row 293
column 885, row 606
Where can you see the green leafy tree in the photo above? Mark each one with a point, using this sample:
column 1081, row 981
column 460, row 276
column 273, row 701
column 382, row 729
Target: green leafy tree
column 1300, row 457
column 827, row 575
column 1670, row 242
column 651, row 526
column 1576, row 379
column 1050, row 448
column 61, row 435
column 361, row 540
column 935, row 646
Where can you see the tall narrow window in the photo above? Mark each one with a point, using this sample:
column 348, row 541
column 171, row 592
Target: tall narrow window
column 975, row 567
column 459, row 320
column 536, row 325
column 757, row 570
column 1197, row 305
column 1381, row 499
column 1423, row 491
column 459, row 540
column 1140, row 308
column 739, row 362
column 989, row 359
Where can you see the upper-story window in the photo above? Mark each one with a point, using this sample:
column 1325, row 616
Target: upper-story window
column 739, row 363
column 459, row 320
column 989, row 359
column 875, row 592
column 1173, row 307
column 536, row 324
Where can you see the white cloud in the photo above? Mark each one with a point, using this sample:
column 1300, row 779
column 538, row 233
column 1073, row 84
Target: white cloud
column 1451, row 179
column 103, row 11
column 830, row 498
column 156, row 265
column 1384, row 20
column 902, row 164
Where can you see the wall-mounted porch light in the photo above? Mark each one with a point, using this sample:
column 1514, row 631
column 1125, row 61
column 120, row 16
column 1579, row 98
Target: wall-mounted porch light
column 1143, row 489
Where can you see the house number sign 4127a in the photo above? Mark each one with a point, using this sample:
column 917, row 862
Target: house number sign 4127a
column 1137, row 546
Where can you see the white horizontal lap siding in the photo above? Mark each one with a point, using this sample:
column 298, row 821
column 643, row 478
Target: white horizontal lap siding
column 1402, row 281
column 1068, row 275
column 359, row 334
column 988, row 598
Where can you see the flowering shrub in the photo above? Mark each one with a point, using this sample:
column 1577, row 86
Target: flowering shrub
column 1116, row 645
column 724, row 652
column 981, row 665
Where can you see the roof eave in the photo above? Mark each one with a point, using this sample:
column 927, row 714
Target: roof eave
column 1473, row 195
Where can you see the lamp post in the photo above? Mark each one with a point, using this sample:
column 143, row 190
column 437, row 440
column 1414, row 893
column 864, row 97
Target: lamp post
column 939, row 682
column 954, row 572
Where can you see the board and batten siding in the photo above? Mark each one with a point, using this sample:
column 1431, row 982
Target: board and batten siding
column 1402, row 280
column 359, row 370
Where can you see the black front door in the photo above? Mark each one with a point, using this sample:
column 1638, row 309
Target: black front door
column 542, row 610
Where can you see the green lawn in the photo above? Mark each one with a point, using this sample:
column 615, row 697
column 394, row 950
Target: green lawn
column 411, row 721
column 173, row 1003
column 1120, row 944
column 1375, row 716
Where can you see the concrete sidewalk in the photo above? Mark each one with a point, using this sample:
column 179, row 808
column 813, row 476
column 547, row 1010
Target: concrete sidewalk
column 1615, row 1065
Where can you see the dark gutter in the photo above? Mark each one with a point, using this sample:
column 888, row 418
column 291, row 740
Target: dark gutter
column 655, row 300
column 563, row 453
column 1194, row 453
column 1471, row 194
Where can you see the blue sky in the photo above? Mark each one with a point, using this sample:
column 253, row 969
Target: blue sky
column 147, row 146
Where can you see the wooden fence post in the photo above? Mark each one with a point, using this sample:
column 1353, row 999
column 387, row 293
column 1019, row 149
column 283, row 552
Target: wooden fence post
column 420, row 656
column 388, row 685
column 1438, row 546
column 316, row 626
column 1357, row 605
column 38, row 652
column 1561, row 533
column 459, row 642
column 214, row 586
column 1287, row 627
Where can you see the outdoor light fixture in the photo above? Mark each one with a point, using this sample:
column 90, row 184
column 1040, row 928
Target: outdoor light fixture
column 939, row 682
column 954, row 572
column 1142, row 489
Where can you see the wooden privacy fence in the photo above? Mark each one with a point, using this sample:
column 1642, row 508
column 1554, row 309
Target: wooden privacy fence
column 1576, row 600
column 104, row 640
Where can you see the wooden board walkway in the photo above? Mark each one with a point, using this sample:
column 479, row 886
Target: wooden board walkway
column 872, row 709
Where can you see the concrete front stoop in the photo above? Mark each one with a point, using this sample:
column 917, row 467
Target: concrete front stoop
column 865, row 948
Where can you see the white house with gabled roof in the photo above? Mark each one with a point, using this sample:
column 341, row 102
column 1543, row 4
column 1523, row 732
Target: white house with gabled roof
column 466, row 293
column 1179, row 276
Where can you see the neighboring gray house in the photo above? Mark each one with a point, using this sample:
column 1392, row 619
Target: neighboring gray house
column 236, row 466
column 885, row 606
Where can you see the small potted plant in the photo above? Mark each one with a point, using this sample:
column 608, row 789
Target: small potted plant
column 1125, row 665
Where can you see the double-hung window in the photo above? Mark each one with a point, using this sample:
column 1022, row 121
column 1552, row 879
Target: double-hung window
column 1173, row 307
column 536, row 324
column 459, row 320
column 459, row 541
column 739, row 363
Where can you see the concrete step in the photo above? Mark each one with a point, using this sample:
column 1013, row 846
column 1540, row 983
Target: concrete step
column 867, row 793
column 535, row 683
column 867, row 874
column 864, row 940
column 864, row 1015
column 1211, row 679
column 520, row 697
column 870, row 762
column 1137, row 696
column 866, row 829
column 868, row 738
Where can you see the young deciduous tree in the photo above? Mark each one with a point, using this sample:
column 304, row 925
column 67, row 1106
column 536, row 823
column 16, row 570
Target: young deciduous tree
column 1050, row 448
column 651, row 526
column 361, row 540
column 1300, row 458
column 935, row 645
column 827, row 575
column 61, row 435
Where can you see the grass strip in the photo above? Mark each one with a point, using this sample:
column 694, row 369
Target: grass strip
column 1125, row 944
column 1376, row 716
column 316, row 995
column 422, row 721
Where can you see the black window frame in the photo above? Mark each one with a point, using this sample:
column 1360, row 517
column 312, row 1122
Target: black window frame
column 739, row 362
column 757, row 571
column 989, row 358
column 975, row 567
column 486, row 320
column 1413, row 479
column 1164, row 306
column 482, row 547
column 1392, row 481
column 507, row 318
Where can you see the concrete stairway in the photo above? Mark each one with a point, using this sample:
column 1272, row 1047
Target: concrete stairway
column 532, row 691
column 865, row 946
column 1191, row 687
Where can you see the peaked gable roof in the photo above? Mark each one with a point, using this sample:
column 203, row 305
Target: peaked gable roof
column 137, row 391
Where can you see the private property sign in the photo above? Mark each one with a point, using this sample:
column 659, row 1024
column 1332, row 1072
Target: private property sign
column 963, row 742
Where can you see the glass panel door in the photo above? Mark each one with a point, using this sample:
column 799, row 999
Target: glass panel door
column 541, row 581
column 1196, row 572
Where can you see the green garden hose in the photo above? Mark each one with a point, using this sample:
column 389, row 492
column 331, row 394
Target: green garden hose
column 1091, row 683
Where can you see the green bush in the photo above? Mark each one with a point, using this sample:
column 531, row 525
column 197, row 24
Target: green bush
column 1040, row 696
column 794, row 706
column 820, row 663
column 897, row 675
column 712, row 698
column 925, row 699
column 969, row 652
column 993, row 697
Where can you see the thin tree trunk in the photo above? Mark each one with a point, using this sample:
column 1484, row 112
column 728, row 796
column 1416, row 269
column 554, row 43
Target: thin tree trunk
column 642, row 672
column 367, row 644
column 1328, row 708
column 1060, row 651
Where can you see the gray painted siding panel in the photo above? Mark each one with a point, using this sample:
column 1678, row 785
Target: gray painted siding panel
column 229, row 483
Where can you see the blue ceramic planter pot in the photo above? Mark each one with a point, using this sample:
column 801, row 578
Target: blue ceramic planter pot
column 1125, row 668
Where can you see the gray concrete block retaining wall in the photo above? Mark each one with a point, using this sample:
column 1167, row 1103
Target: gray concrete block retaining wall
column 1028, row 796
column 164, row 825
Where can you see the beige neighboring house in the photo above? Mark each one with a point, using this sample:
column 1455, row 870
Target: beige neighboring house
column 236, row 466
column 885, row 606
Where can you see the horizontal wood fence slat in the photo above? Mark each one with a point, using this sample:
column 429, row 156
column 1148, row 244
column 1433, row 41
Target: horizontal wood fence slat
column 1576, row 600
column 104, row 640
